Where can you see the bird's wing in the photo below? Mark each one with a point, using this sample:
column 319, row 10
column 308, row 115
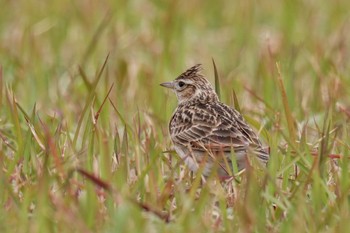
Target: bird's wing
column 203, row 127
column 255, row 145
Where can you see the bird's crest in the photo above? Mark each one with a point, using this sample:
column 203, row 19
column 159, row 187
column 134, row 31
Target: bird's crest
column 191, row 72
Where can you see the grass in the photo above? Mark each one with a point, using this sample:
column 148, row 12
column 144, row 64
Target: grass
column 84, row 145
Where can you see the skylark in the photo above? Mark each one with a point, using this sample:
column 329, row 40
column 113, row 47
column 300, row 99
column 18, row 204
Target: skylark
column 206, row 133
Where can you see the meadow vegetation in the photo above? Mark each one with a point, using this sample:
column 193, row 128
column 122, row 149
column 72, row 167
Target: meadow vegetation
column 84, row 144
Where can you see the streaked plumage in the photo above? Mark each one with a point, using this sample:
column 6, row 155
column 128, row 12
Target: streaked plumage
column 206, row 132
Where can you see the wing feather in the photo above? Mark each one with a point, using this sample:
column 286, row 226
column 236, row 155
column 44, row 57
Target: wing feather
column 210, row 127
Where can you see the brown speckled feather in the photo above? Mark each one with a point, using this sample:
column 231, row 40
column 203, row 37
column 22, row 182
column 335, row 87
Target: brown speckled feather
column 203, row 126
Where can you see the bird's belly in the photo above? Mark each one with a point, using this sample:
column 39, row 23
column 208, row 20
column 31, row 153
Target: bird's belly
column 196, row 160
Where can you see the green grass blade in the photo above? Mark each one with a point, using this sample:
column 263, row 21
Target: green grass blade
column 235, row 101
column 287, row 111
column 217, row 80
column 89, row 101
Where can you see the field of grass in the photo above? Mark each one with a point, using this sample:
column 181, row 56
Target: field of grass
column 84, row 145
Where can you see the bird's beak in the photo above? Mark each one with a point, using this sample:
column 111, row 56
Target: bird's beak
column 168, row 85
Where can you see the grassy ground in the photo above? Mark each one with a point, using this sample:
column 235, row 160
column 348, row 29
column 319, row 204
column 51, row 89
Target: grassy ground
column 75, row 157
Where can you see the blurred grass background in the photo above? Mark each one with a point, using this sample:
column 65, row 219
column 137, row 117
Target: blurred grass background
column 74, row 160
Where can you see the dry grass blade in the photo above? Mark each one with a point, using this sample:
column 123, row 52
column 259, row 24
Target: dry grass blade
column 35, row 135
column 217, row 80
column 287, row 111
column 31, row 126
column 26, row 116
column 99, row 182
column 331, row 156
column 162, row 215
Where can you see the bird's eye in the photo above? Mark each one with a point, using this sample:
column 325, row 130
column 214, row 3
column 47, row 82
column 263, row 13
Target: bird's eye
column 181, row 84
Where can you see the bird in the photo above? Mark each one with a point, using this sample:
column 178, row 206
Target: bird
column 207, row 134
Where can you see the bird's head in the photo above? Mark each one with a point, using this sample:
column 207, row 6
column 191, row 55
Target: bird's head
column 191, row 86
